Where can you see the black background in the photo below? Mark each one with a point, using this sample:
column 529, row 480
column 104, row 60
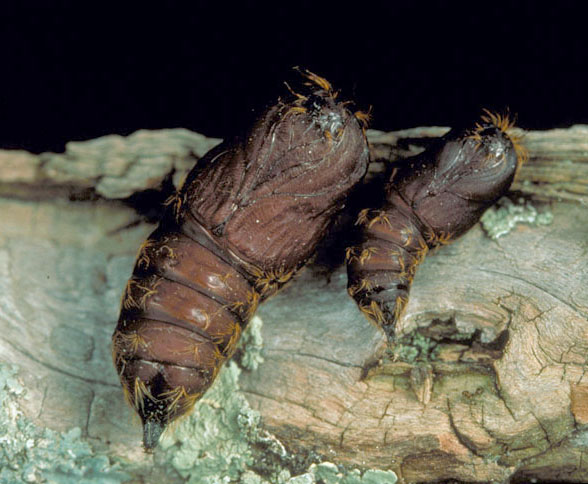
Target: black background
column 74, row 71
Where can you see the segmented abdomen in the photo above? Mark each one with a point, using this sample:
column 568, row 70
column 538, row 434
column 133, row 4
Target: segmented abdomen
column 381, row 268
column 183, row 311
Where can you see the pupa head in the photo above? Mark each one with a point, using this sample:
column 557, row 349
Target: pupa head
column 480, row 164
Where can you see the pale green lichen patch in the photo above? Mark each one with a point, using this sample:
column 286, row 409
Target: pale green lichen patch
column 249, row 353
column 328, row 473
column 415, row 347
column 221, row 439
column 580, row 439
column 306, row 478
column 505, row 215
column 378, row 477
column 34, row 454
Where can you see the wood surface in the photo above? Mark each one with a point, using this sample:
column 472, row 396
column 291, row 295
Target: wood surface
column 501, row 393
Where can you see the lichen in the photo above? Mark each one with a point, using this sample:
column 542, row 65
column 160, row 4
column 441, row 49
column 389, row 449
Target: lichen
column 211, row 442
column 221, row 440
column 251, row 345
column 502, row 218
column 34, row 454
column 415, row 347
column 580, row 439
column 329, row 473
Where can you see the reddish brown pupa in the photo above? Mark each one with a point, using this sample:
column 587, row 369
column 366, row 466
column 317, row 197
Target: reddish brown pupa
column 431, row 200
column 246, row 219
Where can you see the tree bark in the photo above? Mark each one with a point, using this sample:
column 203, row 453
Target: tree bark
column 499, row 390
column 488, row 383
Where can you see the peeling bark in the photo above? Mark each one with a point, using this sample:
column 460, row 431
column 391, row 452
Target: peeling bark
column 116, row 167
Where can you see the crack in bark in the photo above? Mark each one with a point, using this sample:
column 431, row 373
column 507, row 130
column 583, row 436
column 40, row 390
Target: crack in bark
column 360, row 399
column 43, row 398
column 291, row 402
column 541, row 364
column 550, row 444
column 540, row 346
column 566, row 352
column 500, row 395
column 86, row 428
column 533, row 458
column 386, row 411
column 310, row 355
column 537, row 286
column 343, row 434
column 127, row 226
column 58, row 370
column 462, row 439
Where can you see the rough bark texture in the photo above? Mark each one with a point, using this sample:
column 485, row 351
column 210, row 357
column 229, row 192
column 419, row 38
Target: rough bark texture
column 490, row 382
column 500, row 386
